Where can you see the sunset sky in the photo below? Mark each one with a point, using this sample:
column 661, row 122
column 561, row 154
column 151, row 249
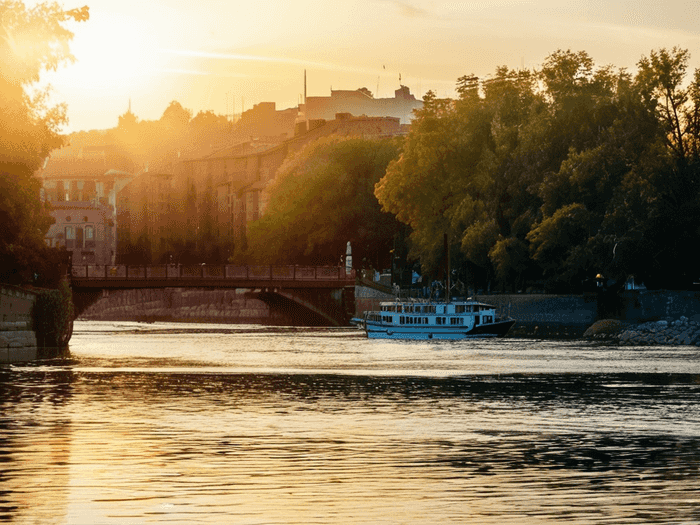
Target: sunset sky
column 223, row 55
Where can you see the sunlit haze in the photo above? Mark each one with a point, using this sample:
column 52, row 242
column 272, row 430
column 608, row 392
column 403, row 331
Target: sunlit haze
column 227, row 56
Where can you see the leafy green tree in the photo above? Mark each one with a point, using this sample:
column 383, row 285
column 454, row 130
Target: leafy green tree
column 32, row 40
column 322, row 198
column 461, row 172
column 556, row 175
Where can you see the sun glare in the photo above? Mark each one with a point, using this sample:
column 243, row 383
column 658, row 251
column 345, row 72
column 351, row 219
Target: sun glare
column 112, row 56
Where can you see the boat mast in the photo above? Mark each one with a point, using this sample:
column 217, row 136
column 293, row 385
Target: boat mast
column 447, row 269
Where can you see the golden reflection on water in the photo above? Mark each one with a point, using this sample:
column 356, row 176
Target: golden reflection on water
column 93, row 441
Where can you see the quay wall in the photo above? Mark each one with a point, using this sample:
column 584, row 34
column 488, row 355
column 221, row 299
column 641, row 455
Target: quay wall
column 569, row 316
column 17, row 337
column 544, row 315
column 537, row 315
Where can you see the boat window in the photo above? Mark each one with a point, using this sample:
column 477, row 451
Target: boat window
column 476, row 319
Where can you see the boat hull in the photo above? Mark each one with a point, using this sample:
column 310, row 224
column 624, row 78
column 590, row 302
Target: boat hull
column 420, row 333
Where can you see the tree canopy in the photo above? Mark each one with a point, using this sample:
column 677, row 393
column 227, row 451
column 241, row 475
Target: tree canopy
column 549, row 177
column 322, row 198
column 32, row 40
column 159, row 143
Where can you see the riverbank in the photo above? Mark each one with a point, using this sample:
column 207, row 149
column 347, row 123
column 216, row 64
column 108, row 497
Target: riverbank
column 35, row 323
column 682, row 331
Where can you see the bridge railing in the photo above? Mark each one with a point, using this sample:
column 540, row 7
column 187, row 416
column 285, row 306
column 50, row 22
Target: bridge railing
column 213, row 271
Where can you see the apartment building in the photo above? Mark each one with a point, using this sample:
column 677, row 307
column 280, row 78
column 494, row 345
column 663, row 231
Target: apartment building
column 82, row 184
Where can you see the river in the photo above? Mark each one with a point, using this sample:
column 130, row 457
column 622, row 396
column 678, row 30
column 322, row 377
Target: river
column 216, row 424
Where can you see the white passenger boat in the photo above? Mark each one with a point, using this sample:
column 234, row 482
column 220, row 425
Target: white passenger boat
column 435, row 320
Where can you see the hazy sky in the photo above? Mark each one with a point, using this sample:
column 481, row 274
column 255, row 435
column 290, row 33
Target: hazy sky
column 226, row 54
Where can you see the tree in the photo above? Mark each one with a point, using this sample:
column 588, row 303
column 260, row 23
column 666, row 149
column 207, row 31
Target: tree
column 175, row 116
column 321, row 199
column 207, row 128
column 557, row 174
column 461, row 172
column 31, row 41
column 671, row 226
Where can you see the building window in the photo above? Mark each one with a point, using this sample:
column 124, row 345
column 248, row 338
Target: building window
column 89, row 233
column 70, row 237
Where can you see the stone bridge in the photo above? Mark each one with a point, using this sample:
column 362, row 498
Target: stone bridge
column 322, row 295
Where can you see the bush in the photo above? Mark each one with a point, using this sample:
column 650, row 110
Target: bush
column 53, row 316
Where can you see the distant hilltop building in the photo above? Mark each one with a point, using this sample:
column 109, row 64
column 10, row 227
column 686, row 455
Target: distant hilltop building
column 361, row 102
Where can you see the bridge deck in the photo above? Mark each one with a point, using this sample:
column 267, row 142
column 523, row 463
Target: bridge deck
column 210, row 276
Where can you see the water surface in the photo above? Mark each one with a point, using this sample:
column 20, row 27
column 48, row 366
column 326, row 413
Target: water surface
column 172, row 423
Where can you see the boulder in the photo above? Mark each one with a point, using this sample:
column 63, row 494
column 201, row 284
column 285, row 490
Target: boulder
column 605, row 328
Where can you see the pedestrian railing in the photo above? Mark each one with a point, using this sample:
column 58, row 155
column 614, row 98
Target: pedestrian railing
column 213, row 271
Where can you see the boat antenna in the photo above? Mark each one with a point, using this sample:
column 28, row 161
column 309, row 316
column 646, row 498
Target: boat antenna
column 447, row 269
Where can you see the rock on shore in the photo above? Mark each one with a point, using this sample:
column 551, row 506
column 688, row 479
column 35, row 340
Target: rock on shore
column 681, row 331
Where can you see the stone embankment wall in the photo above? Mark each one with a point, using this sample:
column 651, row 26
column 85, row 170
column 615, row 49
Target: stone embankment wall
column 369, row 294
column 546, row 315
column 569, row 316
column 17, row 338
column 659, row 316
column 180, row 305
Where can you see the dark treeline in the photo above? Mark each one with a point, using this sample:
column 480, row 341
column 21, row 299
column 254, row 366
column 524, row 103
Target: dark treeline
column 540, row 179
column 547, row 178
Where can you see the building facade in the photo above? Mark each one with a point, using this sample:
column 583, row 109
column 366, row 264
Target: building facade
column 82, row 186
column 202, row 207
column 361, row 102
